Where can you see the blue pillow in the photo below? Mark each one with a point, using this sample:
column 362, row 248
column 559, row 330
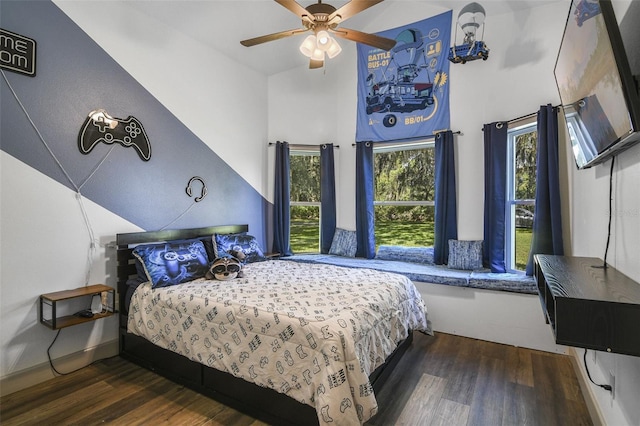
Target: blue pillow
column 345, row 243
column 466, row 255
column 245, row 243
column 406, row 254
column 173, row 262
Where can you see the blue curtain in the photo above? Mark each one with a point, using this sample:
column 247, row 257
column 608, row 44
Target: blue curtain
column 547, row 219
column 327, row 198
column 281, row 198
column 365, row 232
column 495, row 190
column 446, row 223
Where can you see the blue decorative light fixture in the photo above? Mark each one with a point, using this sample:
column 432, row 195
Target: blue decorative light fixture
column 470, row 18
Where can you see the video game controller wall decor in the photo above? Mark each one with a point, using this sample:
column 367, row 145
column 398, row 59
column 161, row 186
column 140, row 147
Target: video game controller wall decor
column 100, row 127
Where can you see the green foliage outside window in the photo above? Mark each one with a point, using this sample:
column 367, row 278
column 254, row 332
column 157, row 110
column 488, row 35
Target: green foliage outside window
column 525, row 166
column 403, row 177
column 305, row 188
column 305, row 177
column 407, row 175
column 525, row 152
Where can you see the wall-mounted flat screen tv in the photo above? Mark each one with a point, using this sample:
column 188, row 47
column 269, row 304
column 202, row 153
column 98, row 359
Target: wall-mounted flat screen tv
column 598, row 92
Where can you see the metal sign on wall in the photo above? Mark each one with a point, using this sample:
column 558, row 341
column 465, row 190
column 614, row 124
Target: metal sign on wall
column 17, row 53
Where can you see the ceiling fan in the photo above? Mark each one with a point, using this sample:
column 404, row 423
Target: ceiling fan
column 323, row 19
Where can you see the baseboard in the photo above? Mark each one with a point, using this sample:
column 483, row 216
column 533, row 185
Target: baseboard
column 42, row 372
column 587, row 392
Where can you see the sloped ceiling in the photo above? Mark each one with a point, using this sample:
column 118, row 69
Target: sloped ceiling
column 221, row 24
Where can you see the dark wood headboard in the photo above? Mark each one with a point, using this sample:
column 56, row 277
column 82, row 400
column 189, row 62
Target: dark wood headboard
column 125, row 243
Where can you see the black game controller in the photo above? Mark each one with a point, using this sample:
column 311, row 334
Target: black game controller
column 175, row 260
column 101, row 127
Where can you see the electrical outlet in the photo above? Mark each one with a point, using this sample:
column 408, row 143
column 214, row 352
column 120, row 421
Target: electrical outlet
column 612, row 383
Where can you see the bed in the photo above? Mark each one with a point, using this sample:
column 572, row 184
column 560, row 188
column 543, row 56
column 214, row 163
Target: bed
column 287, row 343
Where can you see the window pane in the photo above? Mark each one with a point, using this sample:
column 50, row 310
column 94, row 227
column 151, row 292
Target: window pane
column 407, row 175
column 305, row 229
column 305, row 177
column 404, row 174
column 404, row 225
column 521, row 195
column 523, row 234
column 525, row 166
column 305, row 188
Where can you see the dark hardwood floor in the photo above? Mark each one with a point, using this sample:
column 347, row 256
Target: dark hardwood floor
column 441, row 380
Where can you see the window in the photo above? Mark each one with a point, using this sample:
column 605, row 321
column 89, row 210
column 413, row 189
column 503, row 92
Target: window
column 305, row 201
column 521, row 193
column 404, row 194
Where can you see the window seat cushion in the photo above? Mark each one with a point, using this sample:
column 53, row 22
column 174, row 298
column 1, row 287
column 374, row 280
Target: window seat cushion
column 437, row 274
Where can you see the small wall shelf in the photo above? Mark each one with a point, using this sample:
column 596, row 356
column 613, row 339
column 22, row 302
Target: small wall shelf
column 589, row 306
column 51, row 300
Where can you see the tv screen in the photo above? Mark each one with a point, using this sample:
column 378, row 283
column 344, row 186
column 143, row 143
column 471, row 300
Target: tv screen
column 597, row 91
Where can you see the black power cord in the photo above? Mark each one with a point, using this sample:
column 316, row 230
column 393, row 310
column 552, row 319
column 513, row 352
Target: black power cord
column 604, row 265
column 605, row 387
column 56, row 338
column 49, row 355
column 72, row 371
column 606, row 249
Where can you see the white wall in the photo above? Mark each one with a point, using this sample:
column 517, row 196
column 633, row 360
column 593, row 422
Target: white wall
column 45, row 247
column 515, row 80
column 316, row 107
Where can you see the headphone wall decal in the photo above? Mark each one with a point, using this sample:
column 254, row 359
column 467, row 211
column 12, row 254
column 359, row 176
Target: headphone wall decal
column 203, row 193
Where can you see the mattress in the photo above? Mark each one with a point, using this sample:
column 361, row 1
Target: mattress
column 313, row 332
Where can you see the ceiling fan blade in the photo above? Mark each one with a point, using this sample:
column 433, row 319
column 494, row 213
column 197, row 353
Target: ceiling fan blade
column 271, row 37
column 313, row 64
column 294, row 7
column 368, row 39
column 350, row 9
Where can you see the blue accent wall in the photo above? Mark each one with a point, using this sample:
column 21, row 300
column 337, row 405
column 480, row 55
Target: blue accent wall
column 75, row 76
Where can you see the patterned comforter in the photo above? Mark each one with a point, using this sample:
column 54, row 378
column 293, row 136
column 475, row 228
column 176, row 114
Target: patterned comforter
column 313, row 332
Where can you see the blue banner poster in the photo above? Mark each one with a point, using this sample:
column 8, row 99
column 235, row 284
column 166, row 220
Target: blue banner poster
column 404, row 93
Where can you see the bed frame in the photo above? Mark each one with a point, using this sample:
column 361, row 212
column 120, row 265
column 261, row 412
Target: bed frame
column 261, row 403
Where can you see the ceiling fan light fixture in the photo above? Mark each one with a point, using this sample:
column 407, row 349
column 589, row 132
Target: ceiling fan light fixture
column 324, row 40
column 334, row 49
column 317, row 55
column 322, row 19
column 308, row 46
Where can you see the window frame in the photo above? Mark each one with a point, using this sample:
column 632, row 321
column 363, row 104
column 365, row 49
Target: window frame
column 310, row 151
column 511, row 202
column 406, row 146
column 381, row 148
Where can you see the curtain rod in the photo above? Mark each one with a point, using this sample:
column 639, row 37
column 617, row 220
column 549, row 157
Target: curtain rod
column 416, row 140
column 524, row 117
column 303, row 146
